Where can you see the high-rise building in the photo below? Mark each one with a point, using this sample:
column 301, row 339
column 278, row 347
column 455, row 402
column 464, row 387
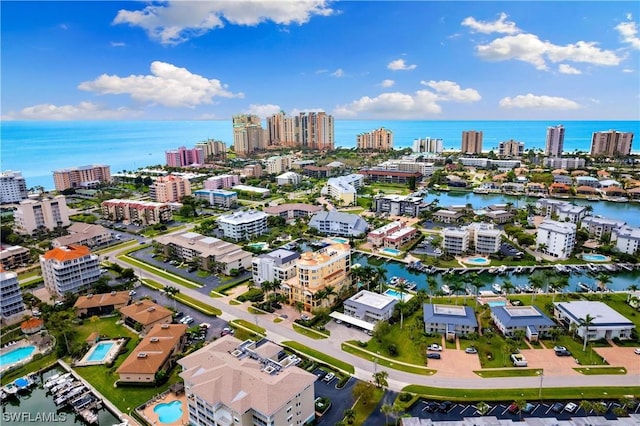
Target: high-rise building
column 45, row 214
column 248, row 134
column 69, row 269
column 611, row 143
column 428, row 145
column 212, row 149
column 222, row 181
column 183, row 157
column 376, row 140
column 283, row 130
column 169, row 189
column 316, row 130
column 471, row 142
column 555, row 141
column 556, row 239
column 243, row 225
column 13, row 187
column 510, row 148
column 136, row 212
column 10, row 295
column 81, row 177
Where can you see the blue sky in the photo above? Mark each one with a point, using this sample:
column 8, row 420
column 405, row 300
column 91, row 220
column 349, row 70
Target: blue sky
column 356, row 60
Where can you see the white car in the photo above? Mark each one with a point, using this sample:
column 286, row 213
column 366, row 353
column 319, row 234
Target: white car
column 571, row 407
column 329, row 377
column 434, row 347
column 636, row 351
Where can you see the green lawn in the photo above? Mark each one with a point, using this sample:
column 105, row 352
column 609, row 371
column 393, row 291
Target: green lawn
column 365, row 408
column 319, row 356
column 353, row 349
column 34, row 365
column 253, row 327
column 587, row 371
column 317, row 335
column 510, row 372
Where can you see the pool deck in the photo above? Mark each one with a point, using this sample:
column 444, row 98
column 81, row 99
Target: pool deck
column 18, row 344
column 110, row 356
column 153, row 418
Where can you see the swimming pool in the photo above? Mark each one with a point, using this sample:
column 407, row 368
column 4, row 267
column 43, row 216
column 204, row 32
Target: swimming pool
column 100, row 351
column 595, row 257
column 261, row 246
column 169, row 412
column 391, row 251
column 496, row 303
column 16, row 355
column 340, row 240
column 477, row 260
column 397, row 295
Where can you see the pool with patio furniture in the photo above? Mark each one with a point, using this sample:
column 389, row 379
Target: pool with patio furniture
column 16, row 356
column 101, row 352
column 391, row 251
column 398, row 295
column 595, row 258
column 476, row 260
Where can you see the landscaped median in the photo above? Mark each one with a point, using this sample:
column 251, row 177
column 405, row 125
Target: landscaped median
column 157, row 271
column 309, row 332
column 251, row 327
column 593, row 371
column 386, row 362
column 319, row 356
column 509, row 372
column 186, row 299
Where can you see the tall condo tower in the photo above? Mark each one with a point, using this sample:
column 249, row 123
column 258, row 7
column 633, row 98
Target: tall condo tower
column 471, row 142
column 555, row 141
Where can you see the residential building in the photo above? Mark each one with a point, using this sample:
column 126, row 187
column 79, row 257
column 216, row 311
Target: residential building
column 252, row 190
column 556, row 239
column 376, row 140
column 156, row 352
column 611, row 143
column 587, row 181
column 14, row 257
column 283, row 131
column 11, row 303
column 369, row 307
column 428, row 145
column 606, row 322
column 288, row 178
column 84, row 234
column 184, row 157
column 471, row 142
column 455, row 240
column 69, row 269
column 208, row 252
column 218, row 197
column 316, row 131
column 449, row 320
column 142, row 315
column 599, row 226
column 408, row 164
column 169, row 189
column 222, row 182
column 447, row 216
column 243, row 225
column 101, row 304
column 212, row 149
column 278, row 265
column 278, row 164
column 391, row 176
column 292, row 211
column 301, row 164
column 486, row 239
column 13, row 187
column 486, row 163
column 376, row 237
column 399, row 205
column 527, row 319
column 327, row 268
column 627, row 239
column 81, row 177
column 140, row 213
column 252, row 170
column 337, row 223
column 344, row 189
column 564, row 179
column 229, row 382
column 248, row 134
column 318, row 172
column 500, row 216
column 400, row 238
column 511, row 148
column 554, row 143
column 608, row 183
column 563, row 209
column 45, row 214
column 564, row 163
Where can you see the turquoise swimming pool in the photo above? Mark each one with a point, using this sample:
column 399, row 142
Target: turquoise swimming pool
column 477, row 260
column 169, row 412
column 391, row 251
column 340, row 240
column 496, row 303
column 100, row 351
column 16, row 355
column 595, row 257
column 397, row 295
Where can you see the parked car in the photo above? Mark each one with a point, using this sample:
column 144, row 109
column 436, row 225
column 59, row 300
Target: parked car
column 445, row 406
column 513, row 408
column 563, row 353
column 471, row 350
column 305, row 317
column 637, row 351
column 328, row 377
column 528, row 408
column 226, row 330
column 571, row 407
column 433, row 355
column 434, row 347
column 132, row 293
column 557, row 407
column 559, row 348
column 179, row 314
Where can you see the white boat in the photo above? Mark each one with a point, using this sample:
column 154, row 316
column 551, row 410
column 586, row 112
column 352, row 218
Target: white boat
column 497, row 288
column 393, row 281
column 57, row 381
column 584, row 287
column 445, row 289
column 52, row 379
column 502, row 269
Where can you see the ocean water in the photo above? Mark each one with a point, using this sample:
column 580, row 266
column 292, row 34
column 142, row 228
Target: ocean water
column 36, row 148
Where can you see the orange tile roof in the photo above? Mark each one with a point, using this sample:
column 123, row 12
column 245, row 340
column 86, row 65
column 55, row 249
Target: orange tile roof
column 152, row 352
column 31, row 323
column 145, row 312
column 64, row 253
column 103, row 299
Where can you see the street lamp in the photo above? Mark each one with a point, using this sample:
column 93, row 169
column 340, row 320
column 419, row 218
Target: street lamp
column 540, row 391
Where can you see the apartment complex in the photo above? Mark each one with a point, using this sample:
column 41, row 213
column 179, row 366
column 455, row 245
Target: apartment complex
column 607, row 323
column 210, row 253
column 564, row 210
column 243, row 225
column 510, row 148
column 486, row 239
column 278, row 164
column 45, row 214
column 527, row 319
column 369, row 306
column 455, row 240
column 376, row 237
column 409, row 164
column 101, row 304
column 284, row 131
column 564, row 163
column 248, row 134
column 599, row 226
column 13, row 187
column 315, row 272
column 169, row 189
column 390, row 176
column 376, row 140
column 184, row 157
column 69, row 269
column 10, row 295
column 144, row 314
column 222, row 182
column 134, row 212
column 288, row 178
column 312, row 130
column 82, row 177
column 471, row 142
column 399, row 205
column 339, row 224
column 611, row 143
column 293, row 211
column 554, row 143
column 212, row 148
column 428, row 145
column 344, row 189
column 278, row 265
column 218, row 197
column 627, row 239
column 156, row 352
column 84, row 234
column 556, row 239
column 229, row 382
column 13, row 257
column 252, row 170
column 448, row 320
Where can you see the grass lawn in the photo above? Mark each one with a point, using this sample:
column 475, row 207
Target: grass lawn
column 410, row 342
column 253, row 327
column 30, row 274
column 319, row 356
column 352, row 348
column 34, row 365
column 511, row 372
column 203, row 274
column 157, row 271
column 587, row 371
column 364, row 409
column 317, row 335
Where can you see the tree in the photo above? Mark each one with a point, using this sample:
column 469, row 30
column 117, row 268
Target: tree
column 559, row 284
column 363, row 391
column 585, row 323
column 171, row 292
column 433, row 287
column 380, row 379
column 349, row 415
column 386, row 409
column 507, row 286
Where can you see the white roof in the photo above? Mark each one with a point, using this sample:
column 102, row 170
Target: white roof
column 351, row 320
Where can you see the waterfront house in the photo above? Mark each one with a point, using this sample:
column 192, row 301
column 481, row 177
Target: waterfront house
column 606, row 324
column 614, row 191
column 586, row 190
column 449, row 320
column 528, row 319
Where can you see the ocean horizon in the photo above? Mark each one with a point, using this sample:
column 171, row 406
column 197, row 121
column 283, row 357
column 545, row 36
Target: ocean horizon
column 36, row 148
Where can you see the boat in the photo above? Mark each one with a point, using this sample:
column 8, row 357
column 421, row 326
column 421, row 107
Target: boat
column 393, row 280
column 493, row 270
column 584, row 287
column 52, row 379
column 502, row 269
column 10, row 389
column 58, row 380
column 518, row 270
column 497, row 288
column 69, row 394
column 445, row 289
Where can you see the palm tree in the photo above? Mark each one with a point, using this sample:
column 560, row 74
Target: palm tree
column 421, row 296
column 380, row 379
column 507, row 286
column 587, row 406
column 633, row 288
column 349, row 415
column 329, row 291
column 380, row 277
column 559, row 284
column 603, row 280
column 585, row 323
column 536, row 281
column 456, row 287
column 172, row 291
column 433, row 287
column 299, row 307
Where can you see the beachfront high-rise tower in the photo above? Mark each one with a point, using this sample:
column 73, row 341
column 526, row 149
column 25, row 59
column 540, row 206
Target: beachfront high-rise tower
column 555, row 141
column 471, row 142
column 611, row 143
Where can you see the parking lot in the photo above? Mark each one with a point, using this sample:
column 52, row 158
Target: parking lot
column 341, row 399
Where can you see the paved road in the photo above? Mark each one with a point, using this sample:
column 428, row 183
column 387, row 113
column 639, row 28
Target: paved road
column 279, row 332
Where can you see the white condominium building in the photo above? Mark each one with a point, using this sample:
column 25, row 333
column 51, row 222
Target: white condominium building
column 69, row 269
column 13, row 187
column 217, row 197
column 278, row 164
column 10, row 294
column 243, row 225
column 486, row 239
column 428, row 145
column 279, row 265
column 41, row 215
column 455, row 240
column 344, row 188
column 556, row 239
column 627, row 239
column 288, row 178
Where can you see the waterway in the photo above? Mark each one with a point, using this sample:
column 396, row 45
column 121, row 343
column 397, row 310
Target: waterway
column 38, row 408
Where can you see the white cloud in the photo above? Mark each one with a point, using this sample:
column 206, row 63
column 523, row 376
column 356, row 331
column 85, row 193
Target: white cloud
column 501, row 25
column 174, row 22
column 568, row 69
column 118, row 44
column 627, row 70
column 167, row 85
column 82, row 111
column 322, row 71
column 393, row 105
column 629, row 33
column 387, row 83
column 529, row 48
column 263, row 111
column 451, row 91
column 338, row 73
column 400, row 65
column 531, row 101
column 63, row 26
